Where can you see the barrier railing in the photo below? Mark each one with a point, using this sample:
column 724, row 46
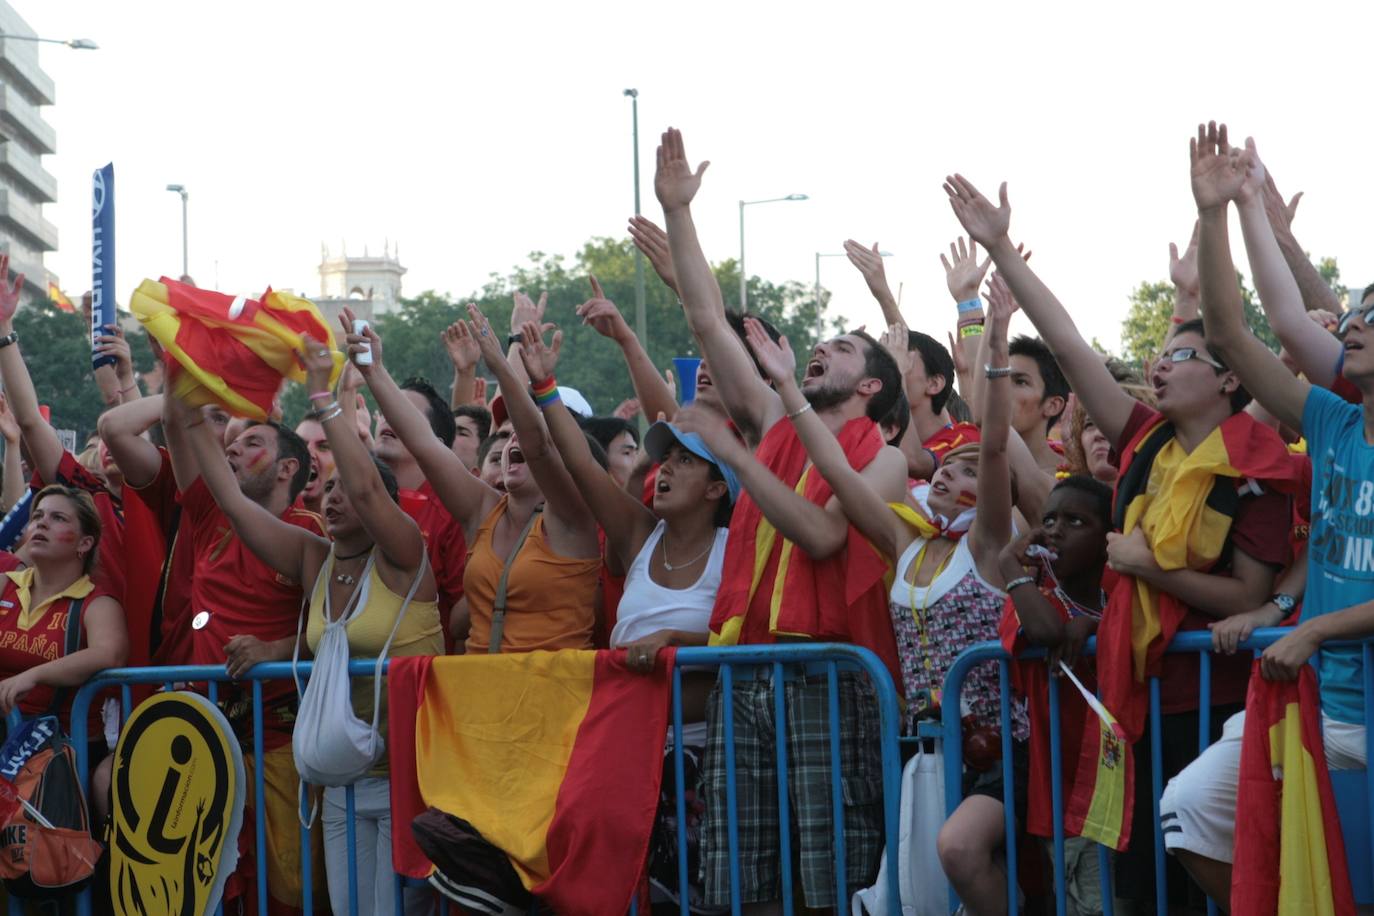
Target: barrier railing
column 1198, row 643
column 831, row 659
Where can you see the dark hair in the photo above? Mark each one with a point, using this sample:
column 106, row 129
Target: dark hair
column 935, row 359
column 958, row 409
column 290, row 446
column 598, row 453
column 476, row 413
column 1365, row 295
column 1240, row 397
column 487, row 444
column 879, row 364
column 900, row 417
column 440, row 416
column 725, row 509
column 393, row 489
column 736, row 321
column 606, row 430
column 1094, row 489
column 1051, row 376
column 86, row 516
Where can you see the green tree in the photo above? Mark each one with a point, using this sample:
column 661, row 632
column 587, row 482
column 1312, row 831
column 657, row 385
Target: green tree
column 1152, row 307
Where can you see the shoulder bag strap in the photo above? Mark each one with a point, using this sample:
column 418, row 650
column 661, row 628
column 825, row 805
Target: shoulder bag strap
column 498, row 611
column 386, row 647
column 71, row 643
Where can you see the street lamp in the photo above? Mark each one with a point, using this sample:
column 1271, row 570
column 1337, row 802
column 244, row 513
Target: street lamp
column 820, row 321
column 185, row 261
column 641, row 321
column 80, row 44
column 743, row 277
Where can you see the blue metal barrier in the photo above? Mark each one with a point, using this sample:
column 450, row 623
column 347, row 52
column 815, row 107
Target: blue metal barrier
column 1193, row 642
column 832, row 658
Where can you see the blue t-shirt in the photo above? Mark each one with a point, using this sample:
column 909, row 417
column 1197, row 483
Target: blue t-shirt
column 1340, row 551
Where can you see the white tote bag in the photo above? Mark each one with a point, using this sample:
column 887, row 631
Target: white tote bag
column 920, row 879
column 331, row 745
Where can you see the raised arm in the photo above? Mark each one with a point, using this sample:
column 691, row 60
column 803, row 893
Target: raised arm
column 652, row 392
column 563, row 504
column 1187, row 292
column 992, row 524
column 751, row 403
column 920, row 461
column 391, row 529
column 121, row 428
column 860, row 496
column 625, row 519
column 462, row 493
column 963, row 275
column 45, row 449
column 1315, row 351
column 869, row 262
column 14, row 483
column 463, row 353
column 652, row 242
column 280, row 545
column 1104, row 400
column 1317, row 295
column 1219, row 177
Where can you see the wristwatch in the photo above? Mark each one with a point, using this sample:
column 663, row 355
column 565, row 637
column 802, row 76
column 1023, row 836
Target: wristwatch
column 1284, row 603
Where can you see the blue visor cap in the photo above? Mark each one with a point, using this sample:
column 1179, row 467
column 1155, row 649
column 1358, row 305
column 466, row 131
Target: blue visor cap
column 662, row 436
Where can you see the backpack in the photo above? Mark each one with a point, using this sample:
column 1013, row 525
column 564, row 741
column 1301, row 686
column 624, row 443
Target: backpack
column 46, row 849
column 467, row 869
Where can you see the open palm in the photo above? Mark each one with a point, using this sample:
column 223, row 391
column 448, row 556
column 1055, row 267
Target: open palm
column 9, row 295
column 675, row 183
column 1217, row 174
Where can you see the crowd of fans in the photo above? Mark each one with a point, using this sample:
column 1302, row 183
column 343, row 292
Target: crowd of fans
column 861, row 501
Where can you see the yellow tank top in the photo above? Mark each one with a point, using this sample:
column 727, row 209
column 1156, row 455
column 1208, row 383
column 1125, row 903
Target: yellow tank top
column 420, row 633
column 550, row 600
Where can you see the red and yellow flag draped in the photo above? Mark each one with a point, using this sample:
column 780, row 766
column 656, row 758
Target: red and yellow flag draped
column 229, row 350
column 556, row 758
column 1290, row 855
column 1184, row 502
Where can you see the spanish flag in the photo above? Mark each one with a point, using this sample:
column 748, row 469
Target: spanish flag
column 59, row 298
column 556, row 758
column 842, row 598
column 1184, row 502
column 1290, row 855
column 229, row 350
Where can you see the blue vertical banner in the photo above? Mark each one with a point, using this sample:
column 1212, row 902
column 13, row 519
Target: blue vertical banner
column 102, row 258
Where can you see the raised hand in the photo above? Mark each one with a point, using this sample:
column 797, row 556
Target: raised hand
column 712, row 427
column 1183, row 270
column 9, row 426
column 627, row 410
column 318, row 363
column 674, row 182
column 963, row 273
column 983, row 222
column 868, row 261
column 1001, row 303
column 540, row 361
column 775, row 358
column 9, row 295
column 479, row 392
column 480, row 327
column 895, row 342
column 653, row 242
column 526, row 309
column 462, row 350
column 350, row 381
column 366, row 342
column 1280, row 214
column 603, row 316
column 1253, row 185
column 112, row 343
column 1218, row 171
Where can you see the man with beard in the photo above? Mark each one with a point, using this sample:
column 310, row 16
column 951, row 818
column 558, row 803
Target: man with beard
column 817, row 580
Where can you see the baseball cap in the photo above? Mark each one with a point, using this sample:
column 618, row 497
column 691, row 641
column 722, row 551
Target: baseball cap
column 662, row 436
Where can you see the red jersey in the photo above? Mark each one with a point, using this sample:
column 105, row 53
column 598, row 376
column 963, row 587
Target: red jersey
column 171, row 589
column 31, row 636
column 447, row 547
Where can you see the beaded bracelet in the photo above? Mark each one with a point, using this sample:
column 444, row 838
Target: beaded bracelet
column 545, row 393
column 1020, row 581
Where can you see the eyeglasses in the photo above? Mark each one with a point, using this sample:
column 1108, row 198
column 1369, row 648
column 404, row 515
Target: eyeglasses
column 1183, row 354
column 1364, row 314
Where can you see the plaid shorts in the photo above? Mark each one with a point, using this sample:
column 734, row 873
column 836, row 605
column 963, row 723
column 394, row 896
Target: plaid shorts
column 808, row 786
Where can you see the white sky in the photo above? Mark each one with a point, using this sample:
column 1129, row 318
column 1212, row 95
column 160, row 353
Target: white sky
column 473, row 134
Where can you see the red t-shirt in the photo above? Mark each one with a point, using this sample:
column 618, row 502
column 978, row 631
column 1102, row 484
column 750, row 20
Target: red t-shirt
column 171, row 590
column 42, row 640
column 1260, row 530
column 448, row 549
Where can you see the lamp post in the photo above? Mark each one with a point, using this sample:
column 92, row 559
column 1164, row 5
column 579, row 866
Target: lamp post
column 79, row 44
column 820, row 320
column 641, row 321
column 744, row 277
column 185, row 260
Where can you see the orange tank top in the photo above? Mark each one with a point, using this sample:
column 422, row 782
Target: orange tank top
column 550, row 600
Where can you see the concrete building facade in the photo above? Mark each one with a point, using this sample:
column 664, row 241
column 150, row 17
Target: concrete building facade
column 369, row 285
column 25, row 138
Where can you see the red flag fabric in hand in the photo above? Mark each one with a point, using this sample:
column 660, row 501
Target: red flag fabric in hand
column 230, row 350
column 1290, row 855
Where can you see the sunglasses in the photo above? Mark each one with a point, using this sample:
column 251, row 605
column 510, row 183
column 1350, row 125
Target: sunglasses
column 1183, row 354
column 1364, row 314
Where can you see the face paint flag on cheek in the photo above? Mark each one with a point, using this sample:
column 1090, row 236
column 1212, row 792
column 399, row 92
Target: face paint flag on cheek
column 230, row 350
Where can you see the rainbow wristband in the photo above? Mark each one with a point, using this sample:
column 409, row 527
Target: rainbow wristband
column 545, row 393
column 970, row 305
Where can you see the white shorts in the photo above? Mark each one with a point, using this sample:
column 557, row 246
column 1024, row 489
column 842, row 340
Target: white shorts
column 1198, row 808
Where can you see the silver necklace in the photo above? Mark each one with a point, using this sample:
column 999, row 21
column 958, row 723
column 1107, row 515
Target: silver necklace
column 692, row 562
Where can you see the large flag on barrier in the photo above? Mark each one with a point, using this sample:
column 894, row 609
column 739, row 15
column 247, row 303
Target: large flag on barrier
column 1184, row 502
column 1290, row 855
column 556, row 758
column 229, row 350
